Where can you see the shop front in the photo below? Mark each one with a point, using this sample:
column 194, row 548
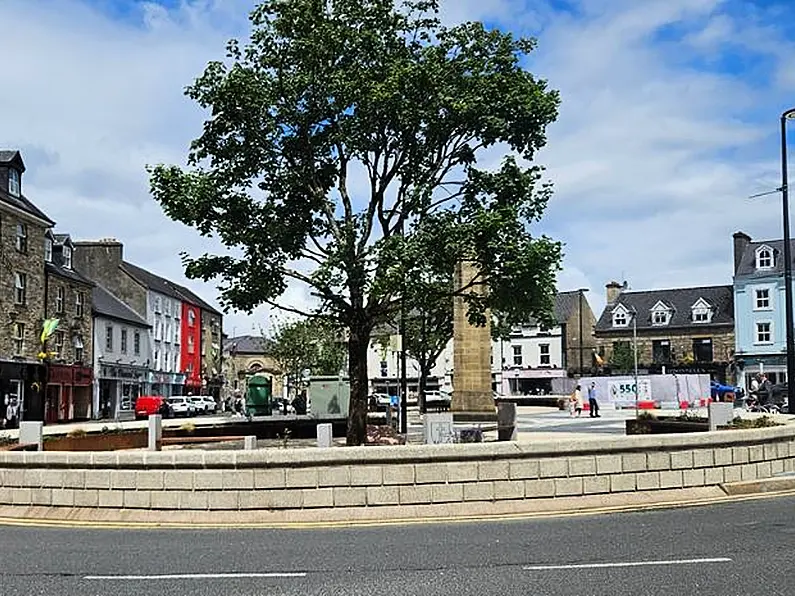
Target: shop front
column 529, row 381
column 68, row 393
column 21, row 384
column 117, row 388
column 166, row 384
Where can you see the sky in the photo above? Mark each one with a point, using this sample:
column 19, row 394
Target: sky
column 668, row 123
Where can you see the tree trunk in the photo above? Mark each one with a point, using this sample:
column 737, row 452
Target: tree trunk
column 358, row 343
column 423, row 383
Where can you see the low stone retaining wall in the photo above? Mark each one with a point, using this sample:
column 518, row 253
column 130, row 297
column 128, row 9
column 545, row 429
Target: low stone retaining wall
column 291, row 479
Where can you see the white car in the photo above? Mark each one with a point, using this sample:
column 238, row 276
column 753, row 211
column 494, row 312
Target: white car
column 181, row 406
column 199, row 405
column 210, row 405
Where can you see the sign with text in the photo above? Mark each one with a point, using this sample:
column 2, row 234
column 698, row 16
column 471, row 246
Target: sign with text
column 622, row 391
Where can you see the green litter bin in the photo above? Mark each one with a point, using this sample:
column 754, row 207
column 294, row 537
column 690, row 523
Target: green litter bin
column 259, row 394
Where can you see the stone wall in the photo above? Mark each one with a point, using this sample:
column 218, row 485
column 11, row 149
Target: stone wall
column 681, row 342
column 70, row 325
column 31, row 263
column 277, row 479
column 101, row 262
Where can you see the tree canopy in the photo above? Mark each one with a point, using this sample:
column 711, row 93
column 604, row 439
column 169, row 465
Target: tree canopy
column 341, row 152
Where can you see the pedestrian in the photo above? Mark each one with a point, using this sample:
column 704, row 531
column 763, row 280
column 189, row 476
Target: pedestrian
column 593, row 405
column 576, row 401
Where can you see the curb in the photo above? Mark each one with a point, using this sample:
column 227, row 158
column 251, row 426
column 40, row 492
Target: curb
column 563, row 507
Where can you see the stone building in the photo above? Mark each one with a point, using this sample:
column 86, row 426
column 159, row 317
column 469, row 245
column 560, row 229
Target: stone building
column 23, row 229
column 248, row 355
column 682, row 329
column 67, row 296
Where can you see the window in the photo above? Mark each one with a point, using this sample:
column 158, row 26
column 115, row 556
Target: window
column 67, row 257
column 123, row 341
column 137, row 343
column 544, row 351
column 13, row 182
column 167, row 307
column 764, row 258
column 48, row 250
column 59, row 339
column 700, row 315
column 764, row 332
column 158, row 330
column 762, row 299
column 19, row 338
column 167, row 332
column 517, row 354
column 661, row 351
column 619, row 318
column 702, row 350
column 191, row 317
column 191, row 346
column 78, row 345
column 20, row 288
column 59, row 299
column 109, row 338
column 157, row 360
column 22, row 238
column 157, row 304
column 660, row 317
column 176, row 334
column 79, row 304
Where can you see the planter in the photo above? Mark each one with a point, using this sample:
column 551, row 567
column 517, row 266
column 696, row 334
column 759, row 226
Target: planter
column 660, row 426
column 98, row 442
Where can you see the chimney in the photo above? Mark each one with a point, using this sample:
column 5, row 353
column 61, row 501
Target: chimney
column 741, row 242
column 98, row 259
column 614, row 290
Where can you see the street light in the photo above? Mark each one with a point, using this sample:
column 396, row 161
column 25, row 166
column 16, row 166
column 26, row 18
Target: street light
column 634, row 312
column 582, row 293
column 788, row 115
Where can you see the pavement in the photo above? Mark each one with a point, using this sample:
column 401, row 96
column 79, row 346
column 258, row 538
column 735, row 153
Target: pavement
column 738, row 548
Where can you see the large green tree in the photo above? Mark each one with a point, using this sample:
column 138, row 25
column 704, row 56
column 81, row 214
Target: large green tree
column 341, row 150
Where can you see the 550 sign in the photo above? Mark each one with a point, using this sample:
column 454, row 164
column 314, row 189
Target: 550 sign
column 623, row 390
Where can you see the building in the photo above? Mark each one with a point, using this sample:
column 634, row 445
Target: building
column 248, row 355
column 682, row 329
column 191, row 353
column 526, row 362
column 23, row 230
column 67, row 298
column 760, row 313
column 121, row 355
column 522, row 364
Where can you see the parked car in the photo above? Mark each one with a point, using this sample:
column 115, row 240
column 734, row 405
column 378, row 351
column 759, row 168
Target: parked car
column 199, row 405
column 210, row 405
column 181, row 406
column 146, row 405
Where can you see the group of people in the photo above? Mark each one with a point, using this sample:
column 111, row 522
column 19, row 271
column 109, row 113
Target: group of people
column 760, row 390
column 576, row 402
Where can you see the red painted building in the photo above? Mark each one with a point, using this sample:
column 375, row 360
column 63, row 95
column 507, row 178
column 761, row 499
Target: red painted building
column 190, row 356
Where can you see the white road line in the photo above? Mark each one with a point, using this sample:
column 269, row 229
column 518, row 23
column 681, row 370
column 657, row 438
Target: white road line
column 193, row 576
column 627, row 564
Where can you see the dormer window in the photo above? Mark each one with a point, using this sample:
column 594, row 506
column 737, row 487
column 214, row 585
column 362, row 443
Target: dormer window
column 701, row 312
column 48, row 250
column 764, row 257
column 620, row 318
column 660, row 314
column 67, row 257
column 13, row 182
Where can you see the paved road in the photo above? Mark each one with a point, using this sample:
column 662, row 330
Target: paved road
column 739, row 549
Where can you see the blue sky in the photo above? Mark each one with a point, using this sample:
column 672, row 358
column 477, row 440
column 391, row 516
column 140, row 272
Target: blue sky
column 668, row 122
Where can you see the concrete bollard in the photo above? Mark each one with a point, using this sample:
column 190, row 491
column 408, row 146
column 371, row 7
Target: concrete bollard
column 720, row 414
column 31, row 432
column 506, row 421
column 155, row 432
column 438, row 428
column 324, row 435
column 250, row 442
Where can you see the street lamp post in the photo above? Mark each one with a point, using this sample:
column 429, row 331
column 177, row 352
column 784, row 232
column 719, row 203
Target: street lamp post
column 788, row 115
column 581, row 292
column 635, row 350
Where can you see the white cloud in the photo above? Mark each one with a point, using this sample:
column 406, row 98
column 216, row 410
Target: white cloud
column 657, row 145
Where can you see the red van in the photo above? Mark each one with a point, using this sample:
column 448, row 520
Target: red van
column 147, row 405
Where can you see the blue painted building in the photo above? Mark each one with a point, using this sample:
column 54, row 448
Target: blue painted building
column 759, row 309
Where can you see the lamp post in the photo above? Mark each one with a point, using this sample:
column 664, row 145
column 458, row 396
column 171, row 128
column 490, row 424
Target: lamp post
column 581, row 292
column 635, row 350
column 788, row 115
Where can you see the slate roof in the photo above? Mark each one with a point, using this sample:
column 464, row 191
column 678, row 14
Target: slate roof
column 165, row 286
column 56, row 267
column 747, row 267
column 248, row 344
column 565, row 305
column 720, row 298
column 107, row 305
column 20, row 202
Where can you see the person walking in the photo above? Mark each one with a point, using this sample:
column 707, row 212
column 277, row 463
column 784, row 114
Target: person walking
column 593, row 404
column 576, row 401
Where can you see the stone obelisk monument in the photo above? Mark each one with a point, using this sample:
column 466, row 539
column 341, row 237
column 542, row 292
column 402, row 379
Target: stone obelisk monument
column 472, row 395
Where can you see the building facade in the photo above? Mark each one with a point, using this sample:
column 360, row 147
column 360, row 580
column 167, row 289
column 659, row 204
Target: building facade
column 683, row 329
column 760, row 313
column 248, row 355
column 121, row 356
column 23, row 229
column 67, row 296
column 191, row 355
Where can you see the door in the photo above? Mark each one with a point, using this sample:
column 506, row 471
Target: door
column 51, row 403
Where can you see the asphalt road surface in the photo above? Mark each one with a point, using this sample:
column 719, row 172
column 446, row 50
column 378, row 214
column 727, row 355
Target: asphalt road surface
column 739, row 549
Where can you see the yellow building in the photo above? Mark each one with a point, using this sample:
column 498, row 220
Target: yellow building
column 247, row 355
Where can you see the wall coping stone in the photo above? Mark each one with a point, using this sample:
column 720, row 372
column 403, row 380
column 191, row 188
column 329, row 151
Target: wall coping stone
column 274, row 457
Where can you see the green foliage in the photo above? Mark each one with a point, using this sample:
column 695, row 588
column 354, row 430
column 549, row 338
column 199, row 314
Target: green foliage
column 340, row 152
column 760, row 422
column 312, row 344
column 623, row 357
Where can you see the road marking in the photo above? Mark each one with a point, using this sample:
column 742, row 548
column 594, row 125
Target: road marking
column 193, row 576
column 627, row 564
